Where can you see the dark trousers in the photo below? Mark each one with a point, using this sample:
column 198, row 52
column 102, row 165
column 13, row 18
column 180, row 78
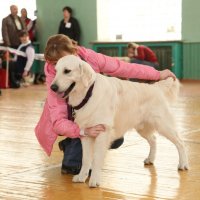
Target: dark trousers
column 72, row 149
column 14, row 76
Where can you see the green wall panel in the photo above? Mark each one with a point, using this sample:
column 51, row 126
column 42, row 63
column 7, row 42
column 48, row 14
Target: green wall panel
column 190, row 20
column 191, row 61
column 50, row 13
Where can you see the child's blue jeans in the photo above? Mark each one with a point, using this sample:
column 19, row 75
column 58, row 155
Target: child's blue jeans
column 72, row 149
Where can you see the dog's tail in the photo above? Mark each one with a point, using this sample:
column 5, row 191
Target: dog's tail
column 170, row 88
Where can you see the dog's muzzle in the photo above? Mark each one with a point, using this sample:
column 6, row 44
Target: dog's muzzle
column 69, row 89
column 55, row 88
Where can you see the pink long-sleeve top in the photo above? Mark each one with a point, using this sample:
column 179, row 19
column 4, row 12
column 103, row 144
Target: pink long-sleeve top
column 54, row 119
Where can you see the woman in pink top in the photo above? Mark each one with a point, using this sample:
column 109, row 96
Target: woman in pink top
column 55, row 119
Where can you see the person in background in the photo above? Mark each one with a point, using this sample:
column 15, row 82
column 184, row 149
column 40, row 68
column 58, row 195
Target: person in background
column 142, row 55
column 24, row 64
column 30, row 25
column 69, row 26
column 5, row 57
column 11, row 26
column 56, row 118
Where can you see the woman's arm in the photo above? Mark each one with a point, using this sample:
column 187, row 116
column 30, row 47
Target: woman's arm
column 77, row 30
column 5, row 32
column 114, row 67
column 30, row 53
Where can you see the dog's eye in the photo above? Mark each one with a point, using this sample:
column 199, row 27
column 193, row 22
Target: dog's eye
column 66, row 71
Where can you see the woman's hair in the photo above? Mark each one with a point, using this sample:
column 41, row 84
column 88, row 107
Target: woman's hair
column 24, row 9
column 57, row 45
column 69, row 9
column 133, row 45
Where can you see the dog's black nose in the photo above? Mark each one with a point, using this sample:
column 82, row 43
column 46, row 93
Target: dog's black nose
column 54, row 87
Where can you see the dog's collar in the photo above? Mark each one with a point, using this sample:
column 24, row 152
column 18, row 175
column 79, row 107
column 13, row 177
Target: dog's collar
column 85, row 100
column 71, row 112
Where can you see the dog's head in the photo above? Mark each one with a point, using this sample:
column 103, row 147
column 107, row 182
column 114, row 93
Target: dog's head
column 72, row 74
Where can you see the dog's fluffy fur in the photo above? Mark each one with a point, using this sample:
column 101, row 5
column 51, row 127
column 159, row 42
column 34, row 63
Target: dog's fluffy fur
column 120, row 106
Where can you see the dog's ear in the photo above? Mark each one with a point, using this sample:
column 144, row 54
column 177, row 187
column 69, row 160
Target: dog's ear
column 87, row 73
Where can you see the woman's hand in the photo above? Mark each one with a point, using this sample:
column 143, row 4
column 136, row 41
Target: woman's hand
column 95, row 130
column 164, row 74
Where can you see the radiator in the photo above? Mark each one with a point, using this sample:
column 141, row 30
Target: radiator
column 163, row 53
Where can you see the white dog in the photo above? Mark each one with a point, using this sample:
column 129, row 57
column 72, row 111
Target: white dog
column 119, row 105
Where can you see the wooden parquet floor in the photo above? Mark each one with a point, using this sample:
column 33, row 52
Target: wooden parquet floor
column 27, row 173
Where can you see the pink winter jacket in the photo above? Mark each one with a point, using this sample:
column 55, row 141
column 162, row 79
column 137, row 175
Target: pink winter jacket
column 54, row 119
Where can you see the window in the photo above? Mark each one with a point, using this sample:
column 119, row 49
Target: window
column 5, row 9
column 139, row 20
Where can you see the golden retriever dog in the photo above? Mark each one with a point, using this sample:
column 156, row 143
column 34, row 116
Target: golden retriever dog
column 120, row 105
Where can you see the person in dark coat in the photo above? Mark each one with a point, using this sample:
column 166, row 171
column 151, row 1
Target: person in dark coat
column 69, row 26
column 11, row 26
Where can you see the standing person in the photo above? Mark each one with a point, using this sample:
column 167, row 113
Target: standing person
column 11, row 26
column 24, row 64
column 69, row 26
column 142, row 55
column 28, row 22
column 56, row 118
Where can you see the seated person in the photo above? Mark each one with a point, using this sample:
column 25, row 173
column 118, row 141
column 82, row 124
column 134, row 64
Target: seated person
column 24, row 64
column 142, row 55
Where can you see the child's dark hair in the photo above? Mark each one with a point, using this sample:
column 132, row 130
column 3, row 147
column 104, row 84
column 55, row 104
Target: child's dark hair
column 23, row 33
column 69, row 9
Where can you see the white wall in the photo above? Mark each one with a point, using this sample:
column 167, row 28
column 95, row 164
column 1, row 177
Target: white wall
column 139, row 20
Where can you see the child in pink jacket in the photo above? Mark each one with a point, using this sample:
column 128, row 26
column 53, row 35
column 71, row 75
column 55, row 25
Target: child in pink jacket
column 55, row 120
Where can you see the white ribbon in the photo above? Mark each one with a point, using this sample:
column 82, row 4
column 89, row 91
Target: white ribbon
column 38, row 56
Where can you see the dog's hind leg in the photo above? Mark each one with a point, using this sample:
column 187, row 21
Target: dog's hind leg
column 167, row 129
column 87, row 145
column 151, row 139
column 100, row 148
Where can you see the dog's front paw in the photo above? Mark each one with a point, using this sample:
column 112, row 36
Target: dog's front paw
column 79, row 178
column 148, row 161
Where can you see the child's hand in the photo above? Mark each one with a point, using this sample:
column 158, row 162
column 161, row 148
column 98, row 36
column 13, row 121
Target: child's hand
column 94, row 131
column 164, row 74
column 25, row 73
